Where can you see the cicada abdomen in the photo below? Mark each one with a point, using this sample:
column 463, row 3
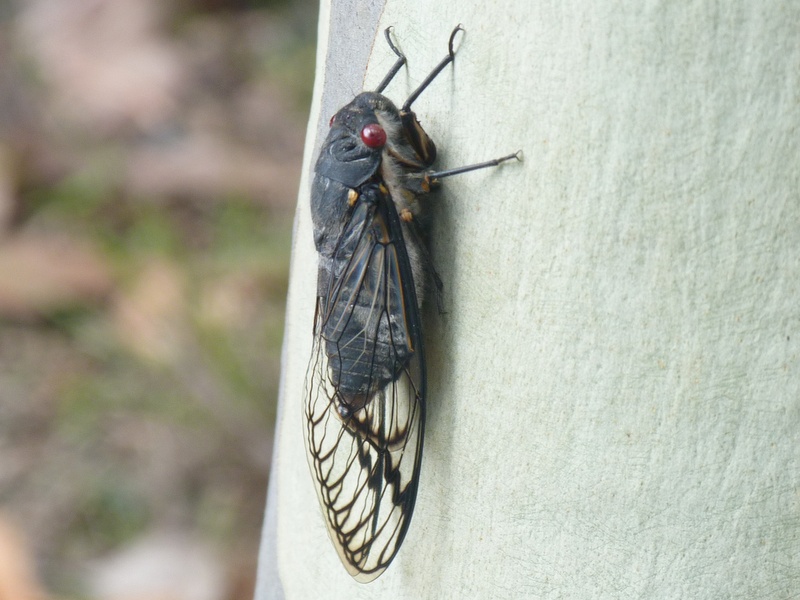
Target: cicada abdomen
column 366, row 383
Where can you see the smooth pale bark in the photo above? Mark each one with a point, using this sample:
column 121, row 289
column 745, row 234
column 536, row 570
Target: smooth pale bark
column 614, row 390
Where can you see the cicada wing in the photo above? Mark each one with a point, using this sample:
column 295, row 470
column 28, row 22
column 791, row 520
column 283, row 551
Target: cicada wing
column 365, row 392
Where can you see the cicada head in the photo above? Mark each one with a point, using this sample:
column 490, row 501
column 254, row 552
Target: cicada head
column 407, row 142
column 364, row 131
column 351, row 153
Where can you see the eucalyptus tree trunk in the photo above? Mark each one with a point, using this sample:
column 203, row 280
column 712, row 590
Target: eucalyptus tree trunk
column 614, row 385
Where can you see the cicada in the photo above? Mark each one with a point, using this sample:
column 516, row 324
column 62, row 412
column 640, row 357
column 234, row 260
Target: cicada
column 366, row 386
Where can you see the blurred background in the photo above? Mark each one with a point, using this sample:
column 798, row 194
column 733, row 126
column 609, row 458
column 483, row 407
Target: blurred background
column 149, row 163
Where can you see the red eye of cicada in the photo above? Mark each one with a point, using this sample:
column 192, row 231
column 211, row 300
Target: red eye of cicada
column 373, row 135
